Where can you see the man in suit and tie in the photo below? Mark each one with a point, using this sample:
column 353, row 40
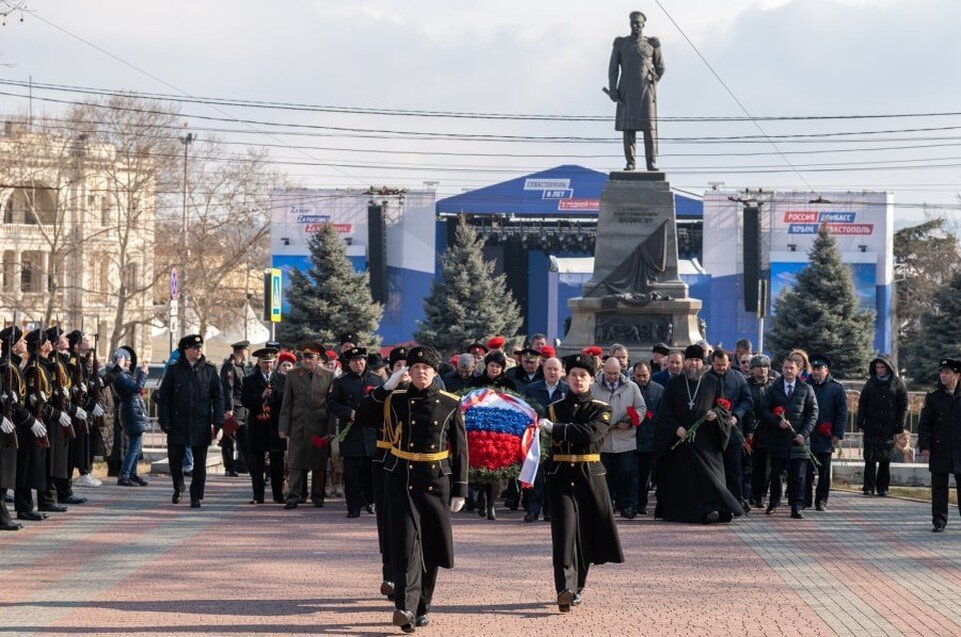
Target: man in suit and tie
column 791, row 409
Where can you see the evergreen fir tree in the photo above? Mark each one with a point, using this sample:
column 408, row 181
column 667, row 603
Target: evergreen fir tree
column 468, row 302
column 820, row 314
column 330, row 298
column 940, row 334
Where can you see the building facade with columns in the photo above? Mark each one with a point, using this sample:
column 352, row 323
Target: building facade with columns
column 76, row 237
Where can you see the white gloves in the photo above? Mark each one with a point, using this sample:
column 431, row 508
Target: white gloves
column 6, row 426
column 38, row 429
column 395, row 379
column 97, row 411
column 64, row 393
column 33, row 398
column 64, row 419
column 546, row 424
column 81, row 414
column 456, row 504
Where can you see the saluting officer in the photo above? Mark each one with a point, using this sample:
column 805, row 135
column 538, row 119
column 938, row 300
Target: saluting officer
column 428, row 446
column 583, row 531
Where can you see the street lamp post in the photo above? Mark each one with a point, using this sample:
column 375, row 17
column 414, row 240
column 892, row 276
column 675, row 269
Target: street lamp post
column 186, row 140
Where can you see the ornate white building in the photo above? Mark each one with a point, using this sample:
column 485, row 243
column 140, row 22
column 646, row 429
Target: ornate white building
column 76, row 237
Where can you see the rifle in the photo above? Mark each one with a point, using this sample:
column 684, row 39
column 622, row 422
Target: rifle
column 77, row 391
column 10, row 440
column 95, row 385
column 38, row 386
column 59, row 389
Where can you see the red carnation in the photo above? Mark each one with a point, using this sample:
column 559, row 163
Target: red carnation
column 368, row 389
column 319, row 441
column 723, row 403
column 649, row 415
column 825, row 429
column 635, row 417
column 779, row 411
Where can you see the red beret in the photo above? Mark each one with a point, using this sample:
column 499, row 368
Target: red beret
column 496, row 342
column 332, row 355
column 592, row 350
column 548, row 352
column 286, row 355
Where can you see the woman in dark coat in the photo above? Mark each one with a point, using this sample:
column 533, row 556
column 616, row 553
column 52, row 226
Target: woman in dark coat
column 493, row 376
column 882, row 408
column 131, row 412
column 583, row 531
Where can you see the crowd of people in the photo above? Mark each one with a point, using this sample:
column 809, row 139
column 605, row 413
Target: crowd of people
column 713, row 434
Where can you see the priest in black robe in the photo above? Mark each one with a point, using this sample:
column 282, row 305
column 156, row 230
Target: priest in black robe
column 690, row 476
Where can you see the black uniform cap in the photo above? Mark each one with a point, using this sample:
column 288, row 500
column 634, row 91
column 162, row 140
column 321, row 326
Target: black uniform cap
column 661, row 348
column 426, row 355
column 820, row 360
column 397, row 354
column 952, row 364
column 190, row 340
column 241, row 345
column 347, row 337
column 583, row 361
column 266, row 353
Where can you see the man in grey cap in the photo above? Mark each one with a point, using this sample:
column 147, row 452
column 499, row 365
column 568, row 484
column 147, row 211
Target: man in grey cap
column 755, row 430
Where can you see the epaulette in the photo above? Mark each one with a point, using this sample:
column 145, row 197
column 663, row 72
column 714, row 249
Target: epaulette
column 398, row 391
column 449, row 395
column 654, row 42
column 600, row 402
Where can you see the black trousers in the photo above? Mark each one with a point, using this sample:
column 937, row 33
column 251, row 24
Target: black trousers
column 23, row 500
column 877, row 476
column 570, row 567
column 58, row 489
column 377, row 476
column 175, row 457
column 415, row 568
column 939, row 496
column 824, row 479
column 537, row 495
column 760, row 473
column 796, row 472
column 512, row 495
column 4, row 512
column 733, row 472
column 621, row 479
column 256, row 460
column 358, row 486
column 644, row 466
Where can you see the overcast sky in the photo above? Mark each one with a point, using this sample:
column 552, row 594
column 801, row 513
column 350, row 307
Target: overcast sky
column 778, row 57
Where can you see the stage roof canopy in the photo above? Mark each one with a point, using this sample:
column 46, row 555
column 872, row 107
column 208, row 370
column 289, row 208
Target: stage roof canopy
column 563, row 191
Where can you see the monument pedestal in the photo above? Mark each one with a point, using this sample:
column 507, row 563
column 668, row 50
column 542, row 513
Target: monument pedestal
column 635, row 296
column 605, row 321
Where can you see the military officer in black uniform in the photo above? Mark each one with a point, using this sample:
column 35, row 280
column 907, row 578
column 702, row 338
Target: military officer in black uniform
column 263, row 403
column 428, row 449
column 371, row 414
column 357, row 442
column 583, row 531
column 16, row 420
column 232, row 374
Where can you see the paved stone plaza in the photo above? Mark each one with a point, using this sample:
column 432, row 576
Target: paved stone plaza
column 130, row 563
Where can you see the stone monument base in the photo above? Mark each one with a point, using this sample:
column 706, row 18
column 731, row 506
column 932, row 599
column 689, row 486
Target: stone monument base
column 607, row 320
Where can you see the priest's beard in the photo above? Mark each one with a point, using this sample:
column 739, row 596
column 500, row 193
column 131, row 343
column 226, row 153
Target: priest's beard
column 693, row 374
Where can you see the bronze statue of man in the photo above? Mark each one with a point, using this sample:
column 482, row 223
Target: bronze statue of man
column 636, row 67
